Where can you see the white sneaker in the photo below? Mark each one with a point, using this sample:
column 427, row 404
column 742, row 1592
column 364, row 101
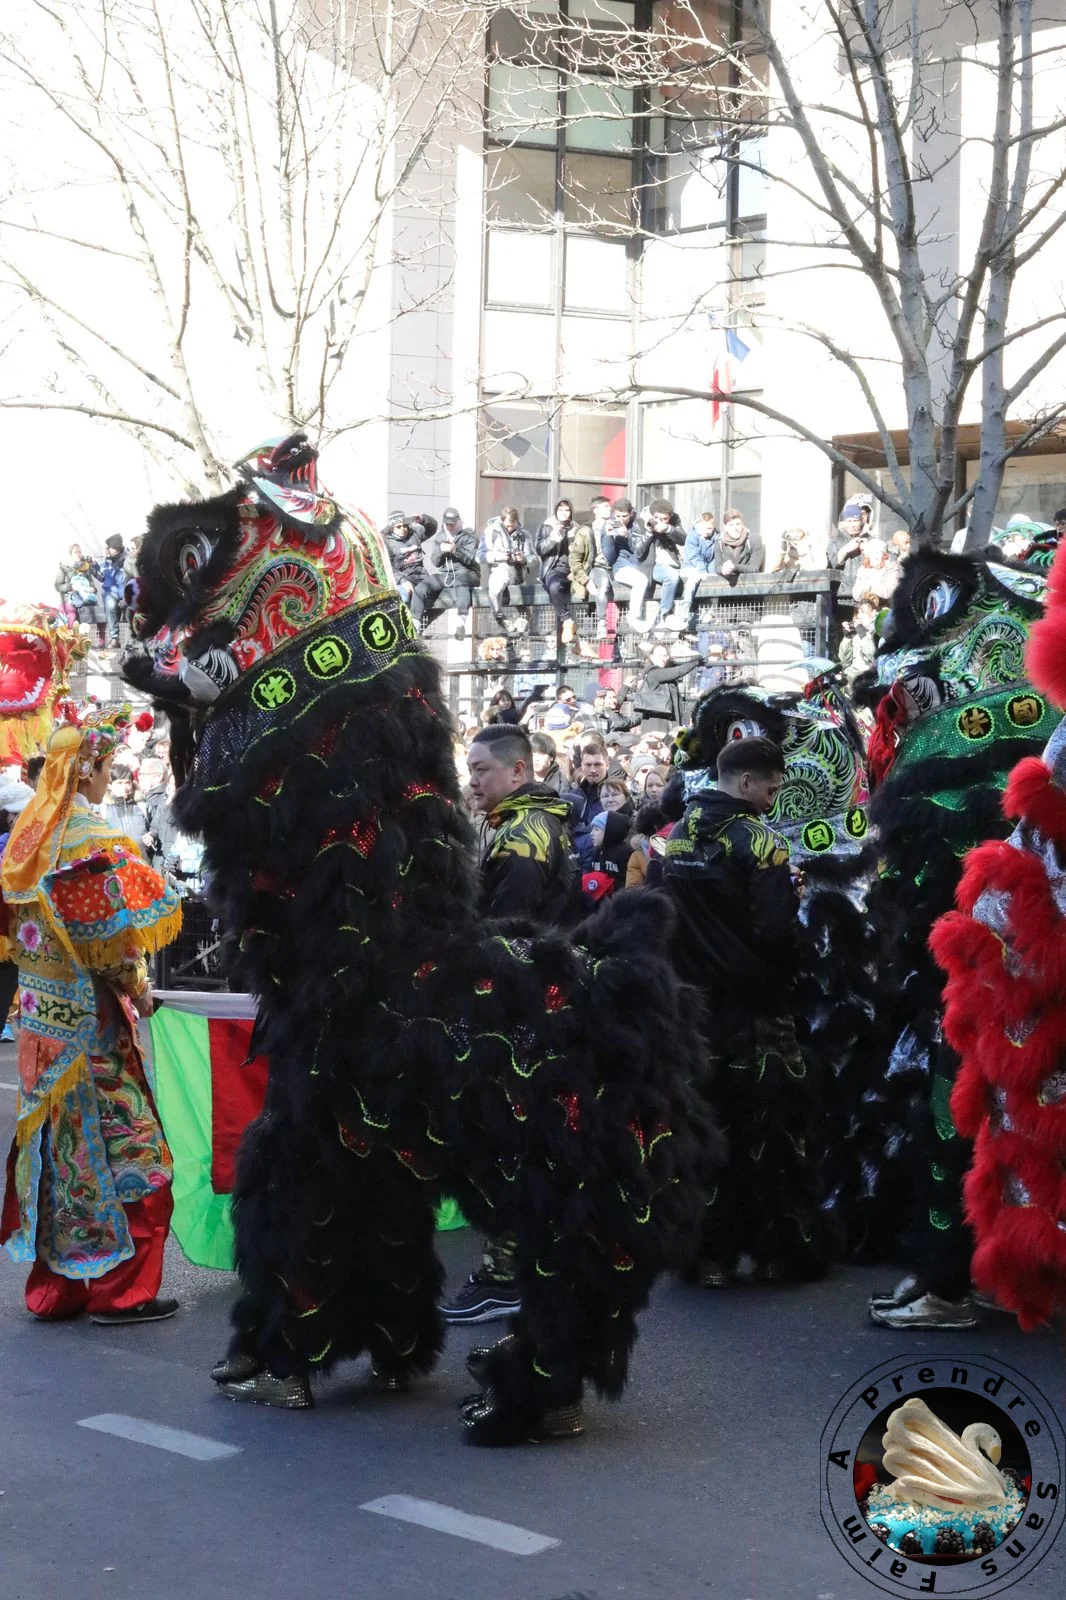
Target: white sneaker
column 927, row 1311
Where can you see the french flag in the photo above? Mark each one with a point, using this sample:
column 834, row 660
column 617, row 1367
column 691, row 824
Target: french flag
column 733, row 349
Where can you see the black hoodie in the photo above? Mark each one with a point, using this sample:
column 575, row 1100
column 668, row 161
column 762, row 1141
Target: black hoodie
column 727, row 872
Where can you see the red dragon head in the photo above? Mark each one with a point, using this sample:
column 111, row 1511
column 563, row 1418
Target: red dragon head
column 36, row 650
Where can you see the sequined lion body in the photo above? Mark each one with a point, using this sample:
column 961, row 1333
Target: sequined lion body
column 955, row 711
column 412, row 1051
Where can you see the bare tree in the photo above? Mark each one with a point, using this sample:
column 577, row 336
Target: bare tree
column 861, row 113
column 204, row 205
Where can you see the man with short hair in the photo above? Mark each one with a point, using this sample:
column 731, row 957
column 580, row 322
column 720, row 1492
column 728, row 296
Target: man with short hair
column 563, row 713
column 452, row 569
column 526, row 871
column 727, row 872
column 634, row 558
column 1060, row 524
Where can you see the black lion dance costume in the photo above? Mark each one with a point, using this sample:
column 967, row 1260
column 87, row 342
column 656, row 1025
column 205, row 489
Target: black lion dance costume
column 1004, row 952
column 412, row 1053
column 954, row 713
column 820, row 814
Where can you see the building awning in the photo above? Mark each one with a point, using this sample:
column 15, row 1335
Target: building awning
column 867, row 450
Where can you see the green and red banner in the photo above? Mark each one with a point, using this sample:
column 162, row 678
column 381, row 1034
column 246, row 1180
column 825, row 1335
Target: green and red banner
column 207, row 1091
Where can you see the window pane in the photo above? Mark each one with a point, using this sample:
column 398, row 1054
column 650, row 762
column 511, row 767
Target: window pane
column 598, row 191
column 745, row 496
column 597, row 275
column 687, row 499
column 515, row 439
column 594, row 354
column 581, row 493
column 603, row 11
column 519, row 269
column 528, row 495
column 593, row 443
column 518, row 351
column 599, row 117
column 688, row 189
column 523, row 103
column 520, row 187
column 753, row 184
column 679, row 439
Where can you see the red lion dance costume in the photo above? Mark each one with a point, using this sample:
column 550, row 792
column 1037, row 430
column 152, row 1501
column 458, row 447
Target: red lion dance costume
column 1004, row 951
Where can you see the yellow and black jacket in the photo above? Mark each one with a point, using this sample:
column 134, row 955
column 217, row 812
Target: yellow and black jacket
column 527, row 869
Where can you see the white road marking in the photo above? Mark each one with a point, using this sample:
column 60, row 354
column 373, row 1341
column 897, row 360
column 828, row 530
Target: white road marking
column 193, row 1445
column 445, row 1519
column 12, row 1086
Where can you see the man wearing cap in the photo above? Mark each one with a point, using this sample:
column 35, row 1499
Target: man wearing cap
column 452, row 569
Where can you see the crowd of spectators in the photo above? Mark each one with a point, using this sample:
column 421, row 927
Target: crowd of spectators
column 621, row 553
column 97, row 593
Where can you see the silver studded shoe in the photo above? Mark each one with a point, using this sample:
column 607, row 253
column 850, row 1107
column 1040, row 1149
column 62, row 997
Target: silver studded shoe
column 263, row 1389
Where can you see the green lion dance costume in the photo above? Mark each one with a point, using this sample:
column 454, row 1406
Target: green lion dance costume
column 412, row 1053
column 955, row 711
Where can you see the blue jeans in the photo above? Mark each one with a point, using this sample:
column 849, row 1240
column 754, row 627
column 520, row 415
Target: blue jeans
column 112, row 611
column 670, row 578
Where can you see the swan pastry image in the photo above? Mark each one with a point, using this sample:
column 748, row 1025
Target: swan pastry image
column 934, row 1466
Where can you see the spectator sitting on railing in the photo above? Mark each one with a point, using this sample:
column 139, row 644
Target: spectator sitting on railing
column 453, row 571
column 697, row 561
column 739, row 551
column 403, row 538
column 667, row 540
column 603, row 555
column 508, row 552
column 564, row 547
column 76, row 585
column 112, row 585
column 632, row 558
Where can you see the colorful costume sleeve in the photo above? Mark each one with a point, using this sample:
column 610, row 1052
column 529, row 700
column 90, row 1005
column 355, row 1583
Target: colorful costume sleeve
column 112, row 909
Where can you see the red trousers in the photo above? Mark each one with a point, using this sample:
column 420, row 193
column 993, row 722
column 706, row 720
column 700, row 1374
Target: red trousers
column 129, row 1284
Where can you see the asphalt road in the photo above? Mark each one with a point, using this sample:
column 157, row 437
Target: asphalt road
column 703, row 1482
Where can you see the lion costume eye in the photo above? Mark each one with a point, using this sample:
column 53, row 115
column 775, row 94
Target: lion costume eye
column 935, row 598
column 743, row 728
column 194, row 553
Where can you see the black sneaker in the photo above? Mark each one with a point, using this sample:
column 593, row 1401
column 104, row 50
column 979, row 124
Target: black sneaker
column 149, row 1311
column 482, row 1299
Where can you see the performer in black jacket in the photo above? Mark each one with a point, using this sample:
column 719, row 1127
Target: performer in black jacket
column 728, row 875
column 526, row 871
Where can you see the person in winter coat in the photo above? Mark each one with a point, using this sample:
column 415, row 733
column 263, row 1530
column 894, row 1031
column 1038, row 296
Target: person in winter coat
column 453, row 571
column 737, row 941
column 605, row 870
column 602, row 536
column 697, row 562
column 507, row 550
column 113, row 585
column 739, row 551
column 656, row 696
column 859, row 644
column 553, row 543
column 77, row 580
column 667, row 540
column 546, row 768
column 403, row 539
column 844, row 550
column 633, row 558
